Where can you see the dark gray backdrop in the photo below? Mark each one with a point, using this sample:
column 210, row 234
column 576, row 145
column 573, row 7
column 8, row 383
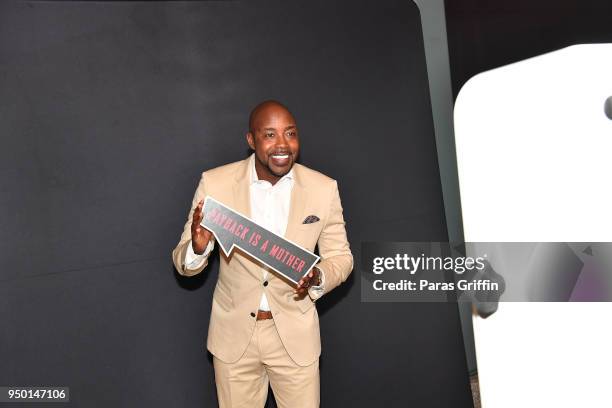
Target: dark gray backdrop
column 483, row 34
column 108, row 114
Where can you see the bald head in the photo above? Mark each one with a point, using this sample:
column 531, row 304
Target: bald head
column 266, row 109
column 273, row 136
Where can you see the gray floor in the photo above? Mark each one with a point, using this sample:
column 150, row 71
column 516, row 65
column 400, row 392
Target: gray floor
column 475, row 390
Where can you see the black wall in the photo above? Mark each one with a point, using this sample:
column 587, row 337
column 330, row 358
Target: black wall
column 484, row 34
column 108, row 114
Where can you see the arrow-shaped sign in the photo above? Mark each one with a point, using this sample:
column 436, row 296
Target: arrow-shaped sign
column 232, row 229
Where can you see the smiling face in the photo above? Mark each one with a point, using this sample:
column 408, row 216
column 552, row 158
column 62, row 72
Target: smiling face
column 273, row 135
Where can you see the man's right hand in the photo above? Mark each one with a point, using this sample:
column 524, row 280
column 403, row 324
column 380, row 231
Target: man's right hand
column 200, row 236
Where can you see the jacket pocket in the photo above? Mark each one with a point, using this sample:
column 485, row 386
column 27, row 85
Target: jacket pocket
column 307, row 235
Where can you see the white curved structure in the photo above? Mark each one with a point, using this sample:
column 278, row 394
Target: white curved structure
column 534, row 154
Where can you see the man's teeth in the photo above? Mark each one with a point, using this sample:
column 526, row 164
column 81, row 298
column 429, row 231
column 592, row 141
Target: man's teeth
column 280, row 156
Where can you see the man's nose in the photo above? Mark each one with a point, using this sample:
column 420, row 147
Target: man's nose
column 281, row 141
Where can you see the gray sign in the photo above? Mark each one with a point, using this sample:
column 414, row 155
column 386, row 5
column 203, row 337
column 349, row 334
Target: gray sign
column 232, row 229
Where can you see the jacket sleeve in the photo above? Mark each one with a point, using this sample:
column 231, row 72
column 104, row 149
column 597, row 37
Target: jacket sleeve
column 336, row 257
column 179, row 252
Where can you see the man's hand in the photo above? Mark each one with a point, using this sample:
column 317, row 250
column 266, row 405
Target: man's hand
column 200, row 236
column 311, row 279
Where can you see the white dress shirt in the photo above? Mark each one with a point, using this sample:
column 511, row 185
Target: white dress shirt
column 270, row 206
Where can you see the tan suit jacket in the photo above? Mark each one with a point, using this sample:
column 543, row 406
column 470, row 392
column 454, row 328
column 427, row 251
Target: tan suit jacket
column 240, row 284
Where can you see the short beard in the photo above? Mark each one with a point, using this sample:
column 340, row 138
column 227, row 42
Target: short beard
column 270, row 170
column 278, row 174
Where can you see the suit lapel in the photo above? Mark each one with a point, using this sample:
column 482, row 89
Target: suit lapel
column 242, row 197
column 299, row 199
column 242, row 204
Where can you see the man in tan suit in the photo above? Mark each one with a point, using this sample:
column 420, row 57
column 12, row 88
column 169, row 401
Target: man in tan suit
column 264, row 330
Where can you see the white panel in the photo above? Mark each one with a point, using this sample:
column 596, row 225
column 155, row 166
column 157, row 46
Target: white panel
column 534, row 154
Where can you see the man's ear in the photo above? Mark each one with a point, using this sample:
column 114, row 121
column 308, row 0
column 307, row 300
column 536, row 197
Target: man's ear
column 250, row 140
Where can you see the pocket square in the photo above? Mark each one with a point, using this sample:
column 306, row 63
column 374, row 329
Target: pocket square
column 310, row 219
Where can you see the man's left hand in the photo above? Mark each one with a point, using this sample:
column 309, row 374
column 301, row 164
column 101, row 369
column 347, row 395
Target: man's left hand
column 312, row 278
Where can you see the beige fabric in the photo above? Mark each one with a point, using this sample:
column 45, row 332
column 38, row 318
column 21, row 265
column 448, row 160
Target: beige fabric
column 244, row 384
column 240, row 285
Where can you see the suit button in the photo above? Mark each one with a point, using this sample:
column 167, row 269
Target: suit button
column 253, row 314
column 266, row 283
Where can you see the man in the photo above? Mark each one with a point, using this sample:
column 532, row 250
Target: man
column 263, row 330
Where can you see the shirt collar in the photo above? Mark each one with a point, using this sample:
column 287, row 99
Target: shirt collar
column 253, row 173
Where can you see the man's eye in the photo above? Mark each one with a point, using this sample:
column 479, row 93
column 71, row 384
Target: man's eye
column 291, row 134
column 269, row 135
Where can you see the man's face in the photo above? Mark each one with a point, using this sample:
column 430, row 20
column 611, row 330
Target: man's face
column 274, row 138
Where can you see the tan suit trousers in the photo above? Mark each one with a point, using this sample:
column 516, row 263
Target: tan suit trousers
column 265, row 361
